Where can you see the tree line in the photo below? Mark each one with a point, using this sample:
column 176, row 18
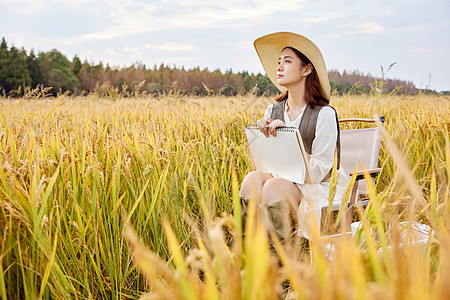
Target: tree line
column 21, row 71
column 360, row 83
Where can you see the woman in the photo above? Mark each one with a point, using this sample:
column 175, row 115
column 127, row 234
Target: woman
column 296, row 66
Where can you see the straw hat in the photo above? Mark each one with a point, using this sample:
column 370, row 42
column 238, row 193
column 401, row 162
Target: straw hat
column 269, row 48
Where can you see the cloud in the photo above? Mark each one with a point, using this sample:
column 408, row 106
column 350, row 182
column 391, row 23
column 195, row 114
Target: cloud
column 170, row 47
column 365, row 27
column 110, row 51
column 30, row 7
column 322, row 19
column 127, row 18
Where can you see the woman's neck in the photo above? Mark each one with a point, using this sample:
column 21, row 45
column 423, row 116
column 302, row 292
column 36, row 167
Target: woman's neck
column 296, row 97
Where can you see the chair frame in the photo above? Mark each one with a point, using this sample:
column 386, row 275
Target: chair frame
column 353, row 202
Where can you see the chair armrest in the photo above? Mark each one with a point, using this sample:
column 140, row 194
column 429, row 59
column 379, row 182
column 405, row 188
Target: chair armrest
column 372, row 173
column 361, row 120
column 347, row 236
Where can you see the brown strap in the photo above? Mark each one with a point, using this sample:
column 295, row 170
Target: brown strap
column 307, row 126
column 278, row 110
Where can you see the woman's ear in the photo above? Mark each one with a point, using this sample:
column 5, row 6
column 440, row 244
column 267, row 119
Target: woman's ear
column 306, row 70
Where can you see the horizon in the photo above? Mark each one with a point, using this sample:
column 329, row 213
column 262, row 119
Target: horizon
column 217, row 35
column 179, row 67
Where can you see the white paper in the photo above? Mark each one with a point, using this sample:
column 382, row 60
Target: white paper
column 282, row 156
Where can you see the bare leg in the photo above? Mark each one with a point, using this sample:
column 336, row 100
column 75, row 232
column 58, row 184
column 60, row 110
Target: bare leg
column 252, row 185
column 279, row 198
column 278, row 189
column 251, row 191
column 276, row 198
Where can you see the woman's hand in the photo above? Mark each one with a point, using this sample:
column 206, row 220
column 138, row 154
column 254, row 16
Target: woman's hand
column 263, row 125
column 272, row 127
column 268, row 126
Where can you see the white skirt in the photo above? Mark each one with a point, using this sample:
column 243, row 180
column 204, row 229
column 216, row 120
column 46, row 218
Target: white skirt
column 315, row 196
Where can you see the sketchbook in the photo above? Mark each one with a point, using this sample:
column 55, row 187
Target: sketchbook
column 283, row 156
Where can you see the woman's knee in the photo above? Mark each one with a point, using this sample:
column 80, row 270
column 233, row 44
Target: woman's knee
column 270, row 192
column 253, row 183
column 276, row 189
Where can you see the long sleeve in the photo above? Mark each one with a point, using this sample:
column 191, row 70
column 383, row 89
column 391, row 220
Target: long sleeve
column 324, row 144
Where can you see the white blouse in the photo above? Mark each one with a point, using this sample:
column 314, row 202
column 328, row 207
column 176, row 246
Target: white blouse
column 315, row 195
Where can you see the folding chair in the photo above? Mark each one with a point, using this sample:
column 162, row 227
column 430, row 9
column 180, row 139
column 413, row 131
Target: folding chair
column 363, row 146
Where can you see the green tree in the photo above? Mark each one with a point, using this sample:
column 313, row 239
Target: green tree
column 13, row 68
column 333, row 85
column 76, row 65
column 34, row 68
column 44, row 62
column 3, row 63
column 248, row 82
column 195, row 90
column 228, row 90
column 57, row 60
column 62, row 79
column 60, row 75
column 265, row 85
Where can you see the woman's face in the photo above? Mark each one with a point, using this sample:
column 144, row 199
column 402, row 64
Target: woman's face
column 289, row 69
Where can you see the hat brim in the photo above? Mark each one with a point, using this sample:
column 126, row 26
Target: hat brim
column 270, row 46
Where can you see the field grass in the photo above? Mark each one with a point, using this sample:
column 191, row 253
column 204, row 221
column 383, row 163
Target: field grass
column 117, row 199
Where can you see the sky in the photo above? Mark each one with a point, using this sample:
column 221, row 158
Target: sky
column 361, row 35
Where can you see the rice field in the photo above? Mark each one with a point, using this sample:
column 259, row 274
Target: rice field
column 131, row 198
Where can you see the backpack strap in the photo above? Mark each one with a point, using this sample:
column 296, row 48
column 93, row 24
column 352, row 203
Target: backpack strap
column 278, row 110
column 307, row 126
column 307, row 129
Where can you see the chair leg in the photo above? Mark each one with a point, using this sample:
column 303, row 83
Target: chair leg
column 244, row 209
column 354, row 193
column 329, row 218
column 347, row 219
column 348, row 214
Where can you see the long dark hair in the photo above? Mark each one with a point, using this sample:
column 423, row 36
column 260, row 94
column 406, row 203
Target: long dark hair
column 313, row 96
